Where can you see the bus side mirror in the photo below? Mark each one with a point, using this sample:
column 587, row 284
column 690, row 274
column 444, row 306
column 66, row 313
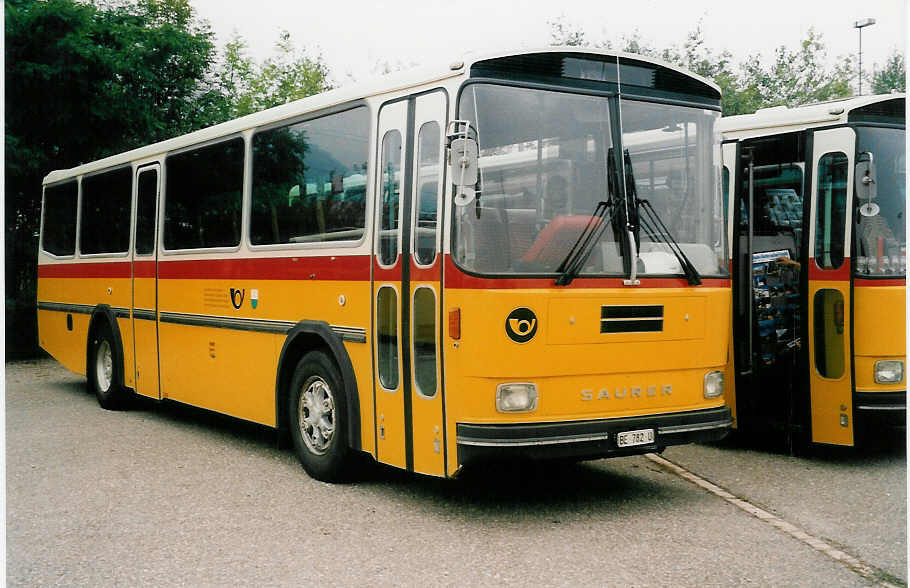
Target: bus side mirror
column 463, row 155
column 864, row 178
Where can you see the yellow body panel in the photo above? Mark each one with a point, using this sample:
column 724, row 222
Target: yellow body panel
column 390, row 425
column 730, row 379
column 233, row 371
column 69, row 347
column 831, row 399
column 880, row 332
column 146, row 341
column 426, row 412
column 581, row 373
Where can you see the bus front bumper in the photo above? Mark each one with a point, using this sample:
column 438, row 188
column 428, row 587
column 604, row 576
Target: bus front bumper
column 588, row 439
column 888, row 408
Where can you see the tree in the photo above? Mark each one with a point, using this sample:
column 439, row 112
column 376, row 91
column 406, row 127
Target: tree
column 893, row 76
column 289, row 74
column 82, row 82
column 797, row 77
column 794, row 77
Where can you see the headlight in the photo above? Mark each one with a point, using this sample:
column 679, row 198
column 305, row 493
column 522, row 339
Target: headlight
column 521, row 397
column 714, row 384
column 889, row 371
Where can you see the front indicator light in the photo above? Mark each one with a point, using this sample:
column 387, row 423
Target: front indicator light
column 714, row 384
column 519, row 397
column 889, row 371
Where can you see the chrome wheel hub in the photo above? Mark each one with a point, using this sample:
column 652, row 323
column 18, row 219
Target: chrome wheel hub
column 104, row 366
column 316, row 415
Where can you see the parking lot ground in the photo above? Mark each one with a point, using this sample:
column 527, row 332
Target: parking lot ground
column 855, row 498
column 167, row 495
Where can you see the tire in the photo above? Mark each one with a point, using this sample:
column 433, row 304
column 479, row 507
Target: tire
column 105, row 370
column 318, row 418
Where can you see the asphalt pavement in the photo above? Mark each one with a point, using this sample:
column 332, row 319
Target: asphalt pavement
column 166, row 495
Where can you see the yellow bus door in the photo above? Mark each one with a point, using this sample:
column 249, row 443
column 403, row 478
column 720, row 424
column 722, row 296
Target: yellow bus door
column 426, row 430
column 406, row 280
column 388, row 277
column 828, row 317
column 145, row 283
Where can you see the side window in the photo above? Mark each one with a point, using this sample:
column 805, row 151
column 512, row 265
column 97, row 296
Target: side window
column 202, row 204
column 58, row 235
column 309, row 180
column 427, row 197
column 146, row 199
column 424, row 341
column 829, row 333
column 389, row 198
column 106, row 198
column 387, row 341
column 831, row 211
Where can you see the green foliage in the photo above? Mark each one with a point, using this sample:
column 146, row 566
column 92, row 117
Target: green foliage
column 89, row 79
column 288, row 75
column 793, row 78
column 797, row 77
column 893, row 76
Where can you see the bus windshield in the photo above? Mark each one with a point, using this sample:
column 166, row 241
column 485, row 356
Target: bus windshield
column 881, row 229
column 547, row 162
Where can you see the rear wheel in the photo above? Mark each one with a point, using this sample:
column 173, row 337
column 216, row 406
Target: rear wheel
column 318, row 418
column 105, row 370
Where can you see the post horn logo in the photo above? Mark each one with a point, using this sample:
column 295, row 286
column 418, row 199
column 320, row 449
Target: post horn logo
column 521, row 325
column 237, row 297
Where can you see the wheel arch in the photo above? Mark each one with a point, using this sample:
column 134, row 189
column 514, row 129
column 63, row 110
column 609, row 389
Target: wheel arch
column 306, row 336
column 105, row 315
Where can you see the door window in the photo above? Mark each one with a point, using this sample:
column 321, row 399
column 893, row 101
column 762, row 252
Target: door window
column 831, row 211
column 389, row 232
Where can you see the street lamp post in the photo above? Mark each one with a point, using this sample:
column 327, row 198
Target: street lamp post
column 860, row 24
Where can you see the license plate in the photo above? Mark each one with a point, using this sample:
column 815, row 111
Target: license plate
column 633, row 438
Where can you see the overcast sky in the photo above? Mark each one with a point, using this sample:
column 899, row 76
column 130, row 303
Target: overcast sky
column 356, row 35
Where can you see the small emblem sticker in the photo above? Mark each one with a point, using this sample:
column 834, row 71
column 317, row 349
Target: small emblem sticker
column 237, row 297
column 521, row 325
column 254, row 298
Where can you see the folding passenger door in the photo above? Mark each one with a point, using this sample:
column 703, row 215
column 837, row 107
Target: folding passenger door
column 406, row 280
column 829, row 286
column 145, row 282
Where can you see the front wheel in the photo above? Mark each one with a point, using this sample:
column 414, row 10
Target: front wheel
column 318, row 417
column 104, row 370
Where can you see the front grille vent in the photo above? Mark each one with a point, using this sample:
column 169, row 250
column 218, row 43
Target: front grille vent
column 632, row 319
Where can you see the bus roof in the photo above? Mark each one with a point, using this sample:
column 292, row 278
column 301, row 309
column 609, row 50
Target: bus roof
column 376, row 86
column 783, row 119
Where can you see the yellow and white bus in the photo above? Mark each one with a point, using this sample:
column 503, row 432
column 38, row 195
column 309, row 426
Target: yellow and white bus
column 817, row 202
column 432, row 269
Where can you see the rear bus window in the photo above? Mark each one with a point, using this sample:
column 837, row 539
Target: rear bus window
column 309, row 180
column 105, row 226
column 58, row 235
column 203, row 197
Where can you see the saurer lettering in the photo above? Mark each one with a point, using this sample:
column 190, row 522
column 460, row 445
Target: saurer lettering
column 626, row 392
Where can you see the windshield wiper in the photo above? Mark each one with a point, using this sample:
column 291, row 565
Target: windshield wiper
column 655, row 228
column 581, row 250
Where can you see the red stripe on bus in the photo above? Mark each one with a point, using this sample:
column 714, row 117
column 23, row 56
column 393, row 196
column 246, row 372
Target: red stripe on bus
column 117, row 269
column 879, row 282
column 425, row 274
column 338, row 267
column 455, row 278
column 144, row 269
column 841, row 274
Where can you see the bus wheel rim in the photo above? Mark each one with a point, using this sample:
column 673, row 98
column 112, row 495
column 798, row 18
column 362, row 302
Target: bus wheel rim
column 317, row 415
column 104, row 366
